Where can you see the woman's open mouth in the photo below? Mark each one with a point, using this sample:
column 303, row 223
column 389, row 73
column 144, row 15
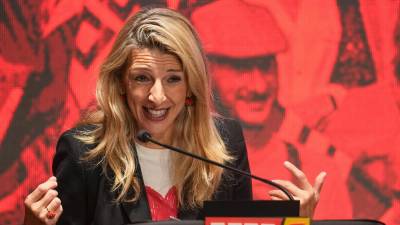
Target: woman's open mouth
column 155, row 114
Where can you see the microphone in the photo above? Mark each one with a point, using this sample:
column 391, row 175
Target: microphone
column 145, row 136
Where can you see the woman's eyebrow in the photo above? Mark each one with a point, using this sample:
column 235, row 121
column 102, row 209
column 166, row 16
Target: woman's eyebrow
column 174, row 70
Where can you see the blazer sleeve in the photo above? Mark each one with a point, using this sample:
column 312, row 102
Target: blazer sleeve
column 71, row 179
column 234, row 186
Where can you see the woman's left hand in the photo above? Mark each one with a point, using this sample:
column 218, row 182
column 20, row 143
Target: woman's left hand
column 305, row 192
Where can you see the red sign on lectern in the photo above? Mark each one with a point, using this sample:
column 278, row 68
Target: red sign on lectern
column 257, row 221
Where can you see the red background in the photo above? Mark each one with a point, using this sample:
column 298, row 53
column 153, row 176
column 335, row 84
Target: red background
column 348, row 126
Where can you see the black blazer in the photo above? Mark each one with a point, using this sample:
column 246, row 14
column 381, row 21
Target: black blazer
column 85, row 192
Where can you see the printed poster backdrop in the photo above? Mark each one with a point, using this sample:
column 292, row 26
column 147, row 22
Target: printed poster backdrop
column 313, row 82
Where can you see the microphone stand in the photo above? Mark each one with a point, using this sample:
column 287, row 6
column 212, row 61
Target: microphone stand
column 145, row 136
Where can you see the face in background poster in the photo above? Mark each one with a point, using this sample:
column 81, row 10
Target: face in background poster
column 333, row 108
column 310, row 82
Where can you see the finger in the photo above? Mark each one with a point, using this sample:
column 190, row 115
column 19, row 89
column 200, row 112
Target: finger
column 54, row 204
column 45, row 201
column 301, row 177
column 319, row 181
column 278, row 194
column 58, row 212
column 276, row 198
column 54, row 208
column 42, row 214
column 41, row 190
column 292, row 188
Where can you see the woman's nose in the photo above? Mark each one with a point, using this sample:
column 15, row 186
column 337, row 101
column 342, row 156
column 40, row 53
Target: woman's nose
column 157, row 93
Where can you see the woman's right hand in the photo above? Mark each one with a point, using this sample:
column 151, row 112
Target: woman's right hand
column 42, row 206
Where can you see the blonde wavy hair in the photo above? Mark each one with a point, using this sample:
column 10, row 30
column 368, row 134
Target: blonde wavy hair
column 195, row 130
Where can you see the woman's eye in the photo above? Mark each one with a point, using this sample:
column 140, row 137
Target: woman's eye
column 174, row 79
column 141, row 78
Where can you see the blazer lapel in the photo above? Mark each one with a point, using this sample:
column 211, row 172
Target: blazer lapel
column 138, row 211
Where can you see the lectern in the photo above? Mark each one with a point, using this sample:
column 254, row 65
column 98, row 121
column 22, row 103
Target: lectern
column 253, row 213
column 260, row 208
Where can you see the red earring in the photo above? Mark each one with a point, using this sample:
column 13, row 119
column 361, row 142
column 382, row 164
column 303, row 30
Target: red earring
column 189, row 101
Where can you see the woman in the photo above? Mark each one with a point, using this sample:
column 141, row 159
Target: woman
column 154, row 79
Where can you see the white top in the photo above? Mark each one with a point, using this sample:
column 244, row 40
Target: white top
column 156, row 168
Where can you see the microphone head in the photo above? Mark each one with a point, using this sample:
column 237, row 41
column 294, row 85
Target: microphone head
column 143, row 136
